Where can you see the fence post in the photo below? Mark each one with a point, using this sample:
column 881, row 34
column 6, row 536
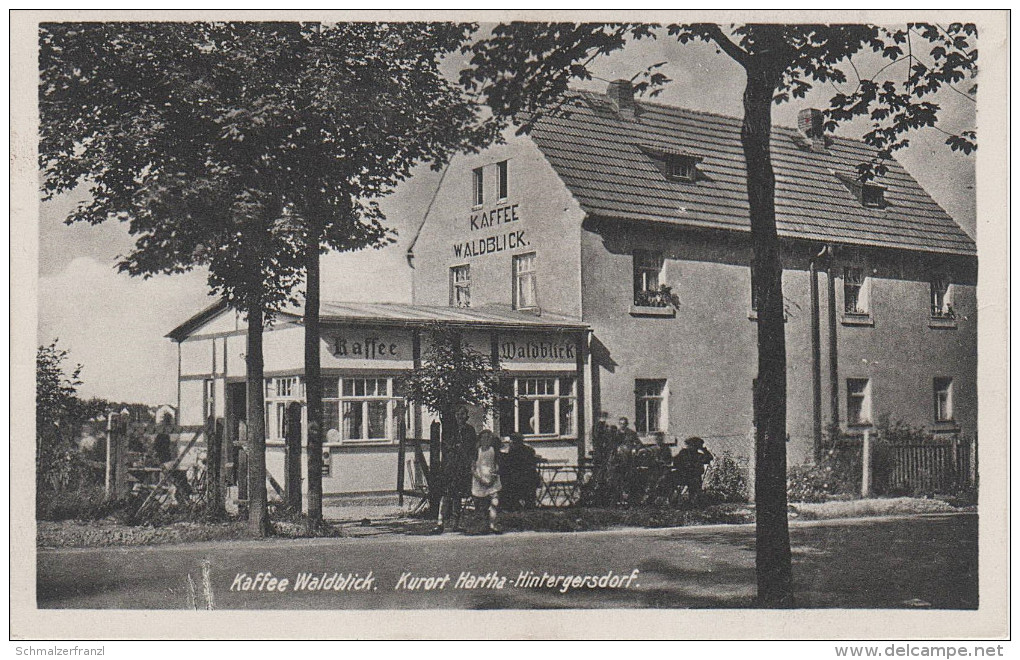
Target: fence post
column 957, row 476
column 401, row 452
column 751, row 465
column 866, row 464
column 109, row 454
column 974, row 461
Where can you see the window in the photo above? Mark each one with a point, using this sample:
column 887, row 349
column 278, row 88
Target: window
column 855, row 294
column 649, row 399
column 541, row 406
column 478, row 186
column 943, row 388
column 872, row 196
column 941, row 299
column 460, row 286
column 858, row 401
column 287, row 388
column 525, row 286
column 503, row 184
column 361, row 409
column 647, row 279
column 280, row 393
column 754, row 292
column 683, row 168
column 869, row 195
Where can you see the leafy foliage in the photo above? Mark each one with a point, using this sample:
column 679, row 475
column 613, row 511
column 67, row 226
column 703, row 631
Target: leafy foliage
column 86, row 502
column 724, row 481
column 453, row 373
column 60, row 466
column 56, row 400
column 217, row 142
column 661, row 297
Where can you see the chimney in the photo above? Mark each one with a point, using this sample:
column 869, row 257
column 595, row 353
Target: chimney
column 809, row 123
column 621, row 92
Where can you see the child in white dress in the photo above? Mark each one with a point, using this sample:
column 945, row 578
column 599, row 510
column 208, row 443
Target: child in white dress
column 485, row 483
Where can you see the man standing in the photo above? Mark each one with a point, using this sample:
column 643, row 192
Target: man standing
column 458, row 455
column 628, row 436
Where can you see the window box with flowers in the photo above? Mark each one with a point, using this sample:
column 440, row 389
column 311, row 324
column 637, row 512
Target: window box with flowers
column 651, row 296
column 942, row 313
column 656, row 302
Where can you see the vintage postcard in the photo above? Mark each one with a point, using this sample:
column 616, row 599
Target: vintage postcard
column 583, row 325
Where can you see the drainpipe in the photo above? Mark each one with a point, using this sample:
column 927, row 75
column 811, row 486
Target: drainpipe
column 816, row 357
column 833, row 353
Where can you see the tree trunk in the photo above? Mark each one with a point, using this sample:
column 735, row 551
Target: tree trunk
column 258, row 514
column 313, row 382
column 772, row 528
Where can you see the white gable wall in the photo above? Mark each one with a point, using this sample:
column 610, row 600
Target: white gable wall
column 539, row 215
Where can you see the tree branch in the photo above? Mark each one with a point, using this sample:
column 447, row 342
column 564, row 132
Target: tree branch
column 724, row 42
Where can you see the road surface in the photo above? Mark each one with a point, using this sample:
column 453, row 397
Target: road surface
column 928, row 561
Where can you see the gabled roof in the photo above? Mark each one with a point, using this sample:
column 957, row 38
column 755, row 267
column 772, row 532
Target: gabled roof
column 403, row 315
column 181, row 332
column 608, row 163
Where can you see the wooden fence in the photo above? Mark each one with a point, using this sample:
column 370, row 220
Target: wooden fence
column 942, row 464
column 945, row 463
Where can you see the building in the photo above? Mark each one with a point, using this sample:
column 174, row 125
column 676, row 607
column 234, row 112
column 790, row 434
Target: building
column 365, row 350
column 164, row 414
column 606, row 256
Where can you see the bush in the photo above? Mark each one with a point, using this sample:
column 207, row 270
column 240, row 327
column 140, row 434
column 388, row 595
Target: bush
column 724, row 481
column 838, row 473
column 810, row 483
column 85, row 503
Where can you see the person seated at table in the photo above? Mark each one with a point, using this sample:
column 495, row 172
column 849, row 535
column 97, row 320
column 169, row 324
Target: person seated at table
column 689, row 466
column 618, row 473
column 520, row 474
column 663, row 454
column 660, row 483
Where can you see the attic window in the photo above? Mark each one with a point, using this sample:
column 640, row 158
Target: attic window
column 872, row 196
column 682, row 168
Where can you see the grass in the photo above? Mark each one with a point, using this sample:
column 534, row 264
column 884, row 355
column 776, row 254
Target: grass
column 869, row 507
column 597, row 518
column 111, row 532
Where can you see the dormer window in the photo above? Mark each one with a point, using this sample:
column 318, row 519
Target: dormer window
column 682, row 168
column 675, row 163
column 872, row 196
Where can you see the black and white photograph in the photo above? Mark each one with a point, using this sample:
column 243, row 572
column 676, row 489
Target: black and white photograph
column 671, row 318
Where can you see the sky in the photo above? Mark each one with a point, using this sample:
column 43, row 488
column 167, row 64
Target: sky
column 115, row 325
